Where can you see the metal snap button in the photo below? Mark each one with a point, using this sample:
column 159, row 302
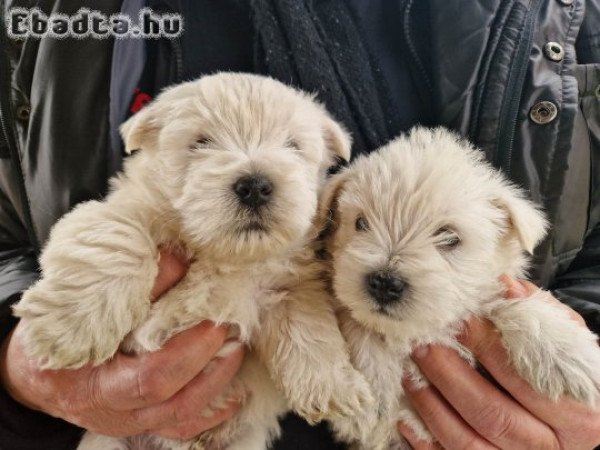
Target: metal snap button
column 554, row 51
column 23, row 112
column 597, row 92
column 543, row 112
column 567, row 2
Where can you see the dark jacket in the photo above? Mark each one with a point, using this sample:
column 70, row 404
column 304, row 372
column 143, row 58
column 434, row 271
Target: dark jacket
column 481, row 67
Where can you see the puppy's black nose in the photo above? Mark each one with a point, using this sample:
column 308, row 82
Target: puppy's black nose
column 384, row 287
column 253, row 191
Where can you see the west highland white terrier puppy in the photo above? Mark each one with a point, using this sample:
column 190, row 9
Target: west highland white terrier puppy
column 417, row 235
column 229, row 169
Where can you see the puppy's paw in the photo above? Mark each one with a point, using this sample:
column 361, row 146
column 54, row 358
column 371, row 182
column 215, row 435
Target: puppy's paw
column 98, row 269
column 345, row 394
column 62, row 339
column 555, row 354
column 65, row 327
column 370, row 445
column 93, row 441
column 385, row 435
column 571, row 368
column 353, row 398
column 413, row 421
column 149, row 337
column 67, row 350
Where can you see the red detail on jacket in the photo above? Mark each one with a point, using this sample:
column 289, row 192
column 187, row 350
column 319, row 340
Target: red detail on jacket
column 139, row 101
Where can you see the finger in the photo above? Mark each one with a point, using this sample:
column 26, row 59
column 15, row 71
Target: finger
column 492, row 414
column 193, row 428
column 130, row 382
column 483, row 340
column 189, row 403
column 172, row 267
column 452, row 432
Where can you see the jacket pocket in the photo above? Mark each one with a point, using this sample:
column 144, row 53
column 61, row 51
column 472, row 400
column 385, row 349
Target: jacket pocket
column 588, row 78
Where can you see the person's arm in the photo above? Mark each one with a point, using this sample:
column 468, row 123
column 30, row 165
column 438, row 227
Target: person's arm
column 18, row 270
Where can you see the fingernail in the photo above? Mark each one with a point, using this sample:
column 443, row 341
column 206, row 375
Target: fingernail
column 228, row 349
column 421, row 352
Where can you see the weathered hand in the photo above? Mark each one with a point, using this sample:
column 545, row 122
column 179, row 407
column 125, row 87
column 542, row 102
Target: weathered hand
column 162, row 392
column 463, row 410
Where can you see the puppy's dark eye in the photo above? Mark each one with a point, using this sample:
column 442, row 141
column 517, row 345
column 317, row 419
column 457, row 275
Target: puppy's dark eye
column 201, row 142
column 447, row 239
column 361, row 224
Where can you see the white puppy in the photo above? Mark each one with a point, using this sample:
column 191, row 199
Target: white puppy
column 230, row 169
column 417, row 236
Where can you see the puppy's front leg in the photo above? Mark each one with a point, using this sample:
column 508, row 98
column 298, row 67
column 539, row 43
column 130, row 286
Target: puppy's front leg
column 303, row 349
column 180, row 308
column 98, row 270
column 555, row 354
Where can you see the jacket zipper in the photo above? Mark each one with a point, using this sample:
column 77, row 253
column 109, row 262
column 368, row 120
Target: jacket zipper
column 177, row 52
column 4, row 152
column 412, row 50
column 482, row 84
column 8, row 132
column 175, row 44
column 514, row 91
column 4, row 148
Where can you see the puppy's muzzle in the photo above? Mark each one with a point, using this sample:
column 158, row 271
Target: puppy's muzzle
column 385, row 287
column 253, row 191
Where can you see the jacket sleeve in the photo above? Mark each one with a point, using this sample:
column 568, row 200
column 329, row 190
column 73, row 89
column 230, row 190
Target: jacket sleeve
column 579, row 286
column 18, row 256
column 18, row 270
column 22, row 428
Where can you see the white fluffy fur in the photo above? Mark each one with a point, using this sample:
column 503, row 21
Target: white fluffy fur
column 197, row 139
column 408, row 191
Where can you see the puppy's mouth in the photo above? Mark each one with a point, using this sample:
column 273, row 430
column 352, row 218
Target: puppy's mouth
column 383, row 310
column 255, row 222
column 395, row 310
column 254, row 226
column 392, row 312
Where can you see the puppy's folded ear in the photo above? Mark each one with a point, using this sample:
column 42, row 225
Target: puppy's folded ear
column 327, row 216
column 526, row 220
column 141, row 130
column 338, row 143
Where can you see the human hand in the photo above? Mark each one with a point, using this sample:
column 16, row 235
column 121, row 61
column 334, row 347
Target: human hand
column 463, row 410
column 162, row 393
